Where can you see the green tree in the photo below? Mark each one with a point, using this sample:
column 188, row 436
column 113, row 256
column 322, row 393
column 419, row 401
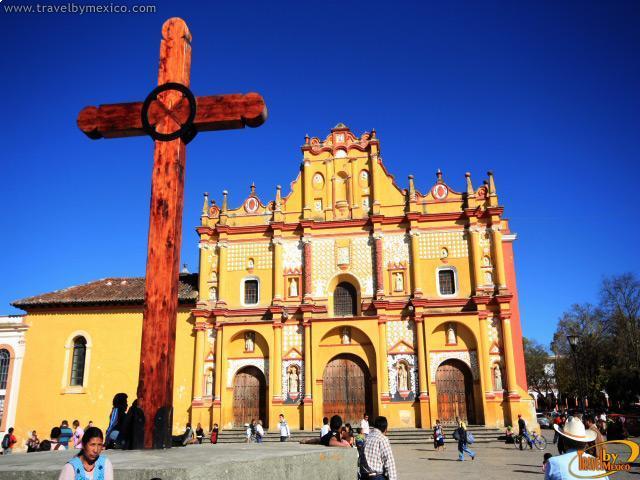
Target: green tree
column 591, row 357
column 539, row 367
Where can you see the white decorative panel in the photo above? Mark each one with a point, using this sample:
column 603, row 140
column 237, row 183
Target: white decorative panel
column 398, row 330
column 240, row 252
column 292, row 338
column 470, row 358
column 324, row 265
column 362, row 262
column 292, row 254
column 395, row 249
column 261, row 364
column 431, row 244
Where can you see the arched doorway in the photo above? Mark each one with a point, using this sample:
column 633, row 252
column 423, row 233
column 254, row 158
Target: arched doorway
column 454, row 384
column 346, row 388
column 345, row 298
column 249, row 396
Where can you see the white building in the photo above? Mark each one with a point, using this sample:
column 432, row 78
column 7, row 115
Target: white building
column 12, row 345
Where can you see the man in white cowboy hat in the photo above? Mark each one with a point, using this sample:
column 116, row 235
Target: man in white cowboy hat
column 566, row 466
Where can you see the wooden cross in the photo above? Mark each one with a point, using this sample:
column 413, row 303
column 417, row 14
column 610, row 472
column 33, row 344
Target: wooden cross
column 172, row 116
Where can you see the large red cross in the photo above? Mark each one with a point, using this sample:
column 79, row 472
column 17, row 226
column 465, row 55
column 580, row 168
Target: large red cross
column 172, row 117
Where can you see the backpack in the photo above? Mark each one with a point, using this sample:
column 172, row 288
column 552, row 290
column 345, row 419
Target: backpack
column 470, row 438
column 364, row 471
column 456, row 435
column 6, row 440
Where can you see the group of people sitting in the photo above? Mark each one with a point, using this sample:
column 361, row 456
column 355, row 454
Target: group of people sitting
column 375, row 457
column 60, row 438
column 191, row 436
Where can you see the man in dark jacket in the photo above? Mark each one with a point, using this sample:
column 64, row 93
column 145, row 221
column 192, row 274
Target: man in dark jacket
column 522, row 431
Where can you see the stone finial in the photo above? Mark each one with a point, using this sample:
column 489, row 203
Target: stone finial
column 373, row 133
column 307, row 139
column 225, row 194
column 412, row 189
column 185, row 269
column 278, row 196
column 253, row 188
column 439, row 175
column 470, row 190
column 492, row 184
column 205, row 205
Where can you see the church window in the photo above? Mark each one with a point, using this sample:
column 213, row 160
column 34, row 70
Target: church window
column 251, row 292
column 78, row 361
column 4, row 368
column 447, row 281
column 344, row 300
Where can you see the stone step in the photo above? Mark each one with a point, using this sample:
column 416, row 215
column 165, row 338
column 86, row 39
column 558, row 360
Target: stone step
column 413, row 436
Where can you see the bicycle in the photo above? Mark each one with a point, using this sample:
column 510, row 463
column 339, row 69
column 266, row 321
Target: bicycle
column 537, row 441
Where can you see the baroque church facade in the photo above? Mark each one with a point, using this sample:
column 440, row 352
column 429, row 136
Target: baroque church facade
column 348, row 295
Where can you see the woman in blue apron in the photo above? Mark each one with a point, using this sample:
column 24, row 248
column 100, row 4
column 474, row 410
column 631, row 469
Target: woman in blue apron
column 89, row 464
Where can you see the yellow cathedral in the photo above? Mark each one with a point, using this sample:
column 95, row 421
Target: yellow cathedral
column 348, row 295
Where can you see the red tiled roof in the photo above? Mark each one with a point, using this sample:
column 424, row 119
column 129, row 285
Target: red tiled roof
column 108, row 291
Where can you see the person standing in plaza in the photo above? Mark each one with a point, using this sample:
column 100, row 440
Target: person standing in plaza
column 214, row 434
column 249, row 431
column 565, row 467
column 116, row 419
column 89, row 464
column 460, row 434
column 55, row 443
column 596, row 445
column 364, row 424
column 378, row 453
column 285, row 433
column 8, row 441
column 78, row 432
column 523, row 433
column 65, row 433
column 558, row 420
column 325, row 427
column 438, row 436
column 259, row 431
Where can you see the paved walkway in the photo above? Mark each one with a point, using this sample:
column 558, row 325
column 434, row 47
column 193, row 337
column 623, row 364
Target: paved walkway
column 494, row 461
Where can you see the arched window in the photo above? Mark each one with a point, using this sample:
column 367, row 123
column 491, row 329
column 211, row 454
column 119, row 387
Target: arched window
column 344, row 300
column 4, row 368
column 78, row 361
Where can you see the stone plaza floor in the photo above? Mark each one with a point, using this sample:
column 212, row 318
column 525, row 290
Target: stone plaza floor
column 494, row 461
column 291, row 460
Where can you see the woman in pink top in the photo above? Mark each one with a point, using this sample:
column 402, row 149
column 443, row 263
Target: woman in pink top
column 78, row 432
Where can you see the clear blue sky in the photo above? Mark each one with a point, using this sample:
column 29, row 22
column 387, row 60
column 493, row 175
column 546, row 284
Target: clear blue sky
column 547, row 94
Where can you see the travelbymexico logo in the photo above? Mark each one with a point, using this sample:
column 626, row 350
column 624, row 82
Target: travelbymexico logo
column 607, row 462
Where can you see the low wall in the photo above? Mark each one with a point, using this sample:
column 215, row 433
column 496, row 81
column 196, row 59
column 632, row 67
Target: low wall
column 213, row 462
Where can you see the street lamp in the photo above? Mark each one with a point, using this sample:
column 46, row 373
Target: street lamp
column 574, row 340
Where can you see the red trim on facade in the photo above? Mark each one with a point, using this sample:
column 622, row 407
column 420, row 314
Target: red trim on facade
column 516, row 327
